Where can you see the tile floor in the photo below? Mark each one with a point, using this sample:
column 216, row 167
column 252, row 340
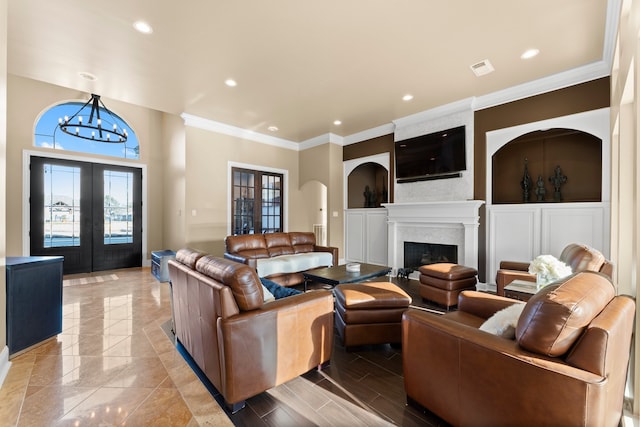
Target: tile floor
column 111, row 365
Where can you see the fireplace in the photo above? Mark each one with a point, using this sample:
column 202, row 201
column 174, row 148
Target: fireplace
column 447, row 223
column 417, row 254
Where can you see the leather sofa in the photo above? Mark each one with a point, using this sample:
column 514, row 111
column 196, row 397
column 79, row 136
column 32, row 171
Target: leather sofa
column 567, row 365
column 243, row 345
column 280, row 257
column 578, row 257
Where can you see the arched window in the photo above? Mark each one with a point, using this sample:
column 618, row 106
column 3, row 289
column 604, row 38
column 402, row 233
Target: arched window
column 48, row 133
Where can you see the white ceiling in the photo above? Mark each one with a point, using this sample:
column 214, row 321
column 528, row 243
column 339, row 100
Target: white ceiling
column 299, row 64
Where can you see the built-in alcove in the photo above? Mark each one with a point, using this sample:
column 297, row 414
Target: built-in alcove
column 367, row 186
column 578, row 153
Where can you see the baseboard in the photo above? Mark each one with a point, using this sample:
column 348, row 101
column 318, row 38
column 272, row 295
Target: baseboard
column 4, row 364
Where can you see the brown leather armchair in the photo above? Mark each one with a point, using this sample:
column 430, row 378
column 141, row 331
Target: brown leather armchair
column 567, row 365
column 578, row 257
column 243, row 345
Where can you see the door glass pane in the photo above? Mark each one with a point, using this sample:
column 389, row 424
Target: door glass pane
column 118, row 207
column 270, row 203
column 243, row 193
column 61, row 206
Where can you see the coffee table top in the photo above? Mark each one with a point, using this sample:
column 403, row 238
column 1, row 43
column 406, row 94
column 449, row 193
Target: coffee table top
column 339, row 274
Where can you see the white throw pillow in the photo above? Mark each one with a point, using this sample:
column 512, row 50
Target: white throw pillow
column 268, row 296
column 503, row 323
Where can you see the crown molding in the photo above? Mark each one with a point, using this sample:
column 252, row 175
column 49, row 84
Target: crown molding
column 327, row 138
column 589, row 72
column 611, row 31
column 213, row 126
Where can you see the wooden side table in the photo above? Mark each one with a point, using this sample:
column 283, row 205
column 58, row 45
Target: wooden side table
column 521, row 290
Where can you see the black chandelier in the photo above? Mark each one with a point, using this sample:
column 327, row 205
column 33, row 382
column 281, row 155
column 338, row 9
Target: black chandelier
column 75, row 126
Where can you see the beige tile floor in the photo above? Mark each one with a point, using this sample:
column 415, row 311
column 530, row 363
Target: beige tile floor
column 112, row 365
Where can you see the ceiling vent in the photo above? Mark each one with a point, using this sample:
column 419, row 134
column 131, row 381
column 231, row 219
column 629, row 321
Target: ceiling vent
column 481, row 68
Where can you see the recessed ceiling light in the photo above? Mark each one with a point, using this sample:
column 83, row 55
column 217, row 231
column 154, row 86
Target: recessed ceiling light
column 337, row 122
column 407, row 97
column 231, row 83
column 143, row 27
column 530, row 53
column 273, row 128
column 87, row 76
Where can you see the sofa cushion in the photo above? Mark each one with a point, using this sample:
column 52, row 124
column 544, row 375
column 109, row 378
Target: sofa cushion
column 189, row 257
column 242, row 279
column 302, row 241
column 293, row 263
column 247, row 245
column 278, row 244
column 555, row 317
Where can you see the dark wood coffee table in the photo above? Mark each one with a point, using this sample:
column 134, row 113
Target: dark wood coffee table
column 339, row 274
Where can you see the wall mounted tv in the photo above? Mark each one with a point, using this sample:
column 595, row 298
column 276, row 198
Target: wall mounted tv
column 434, row 156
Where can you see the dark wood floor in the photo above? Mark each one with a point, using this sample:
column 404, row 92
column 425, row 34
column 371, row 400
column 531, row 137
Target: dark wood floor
column 361, row 387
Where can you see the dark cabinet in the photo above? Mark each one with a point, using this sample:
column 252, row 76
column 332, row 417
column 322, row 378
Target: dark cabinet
column 34, row 300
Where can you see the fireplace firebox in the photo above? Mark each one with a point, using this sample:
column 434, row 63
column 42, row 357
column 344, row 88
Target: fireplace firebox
column 417, row 254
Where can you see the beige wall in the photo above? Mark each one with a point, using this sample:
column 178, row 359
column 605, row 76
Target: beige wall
column 3, row 177
column 174, row 182
column 625, row 172
column 22, row 116
column 323, row 163
column 207, row 191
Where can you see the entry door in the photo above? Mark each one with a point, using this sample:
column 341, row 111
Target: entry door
column 89, row 213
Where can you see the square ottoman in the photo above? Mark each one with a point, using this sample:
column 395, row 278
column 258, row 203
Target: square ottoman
column 370, row 313
column 443, row 282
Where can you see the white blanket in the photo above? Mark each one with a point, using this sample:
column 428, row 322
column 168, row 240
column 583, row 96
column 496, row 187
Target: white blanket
column 293, row 263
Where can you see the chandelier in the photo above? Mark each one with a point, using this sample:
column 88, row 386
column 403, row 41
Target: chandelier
column 81, row 124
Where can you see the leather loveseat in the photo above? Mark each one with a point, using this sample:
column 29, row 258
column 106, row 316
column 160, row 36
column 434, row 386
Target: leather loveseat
column 280, row 257
column 243, row 345
column 578, row 257
column 567, row 365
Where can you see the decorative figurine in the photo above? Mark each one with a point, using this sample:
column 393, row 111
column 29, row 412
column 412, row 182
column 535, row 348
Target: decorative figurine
column 369, row 197
column 557, row 179
column 540, row 190
column 525, row 183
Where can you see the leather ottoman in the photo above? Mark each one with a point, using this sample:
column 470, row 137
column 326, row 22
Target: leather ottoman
column 370, row 313
column 443, row 282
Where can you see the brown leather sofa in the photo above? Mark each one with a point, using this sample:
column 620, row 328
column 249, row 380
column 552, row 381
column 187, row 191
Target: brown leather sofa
column 249, row 248
column 578, row 257
column 567, row 365
column 243, row 345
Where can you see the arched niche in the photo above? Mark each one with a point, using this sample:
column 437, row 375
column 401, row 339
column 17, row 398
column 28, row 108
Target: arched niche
column 595, row 123
column 547, row 157
column 371, row 172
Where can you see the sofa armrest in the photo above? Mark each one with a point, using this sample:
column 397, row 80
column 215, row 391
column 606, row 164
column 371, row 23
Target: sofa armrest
column 283, row 339
column 482, row 304
column 251, row 262
column 331, row 249
column 504, row 277
column 514, row 265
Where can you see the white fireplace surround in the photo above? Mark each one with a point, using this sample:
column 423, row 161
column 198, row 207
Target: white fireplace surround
column 443, row 222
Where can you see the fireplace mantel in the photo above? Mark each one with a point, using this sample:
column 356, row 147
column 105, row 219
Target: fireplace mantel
column 451, row 222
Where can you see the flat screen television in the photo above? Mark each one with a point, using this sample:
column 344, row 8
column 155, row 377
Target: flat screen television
column 433, row 156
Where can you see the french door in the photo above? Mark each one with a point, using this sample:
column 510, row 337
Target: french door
column 89, row 213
